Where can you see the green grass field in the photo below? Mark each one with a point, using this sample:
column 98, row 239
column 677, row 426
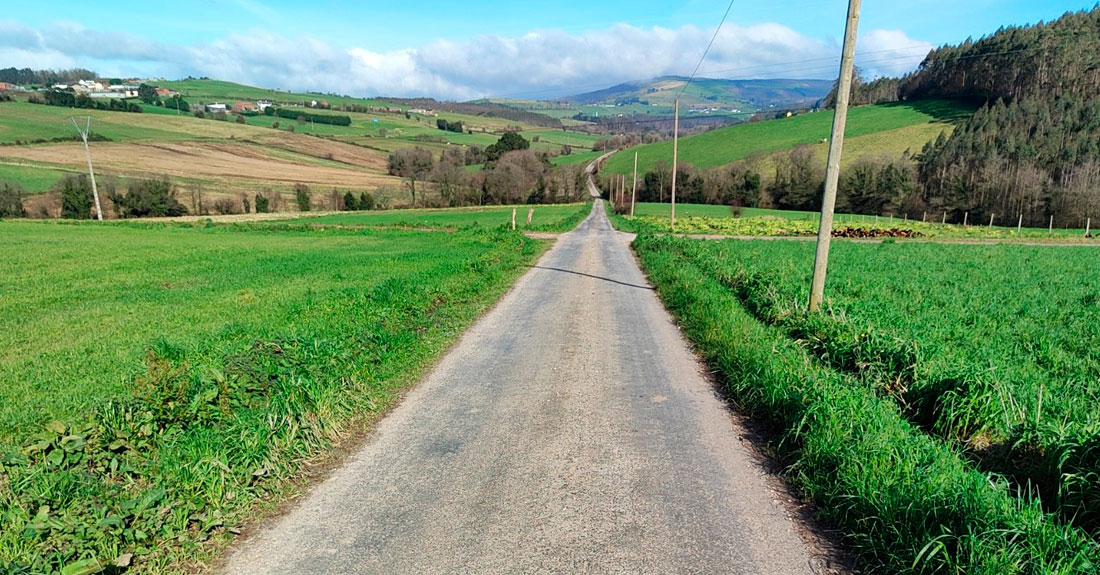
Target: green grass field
column 554, row 218
column 727, row 145
column 581, row 157
column 403, row 131
column 914, row 412
column 159, row 380
column 33, row 177
column 229, row 92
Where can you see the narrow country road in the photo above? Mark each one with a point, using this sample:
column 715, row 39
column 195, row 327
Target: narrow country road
column 570, row 431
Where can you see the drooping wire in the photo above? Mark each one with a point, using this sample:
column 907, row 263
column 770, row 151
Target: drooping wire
column 707, row 51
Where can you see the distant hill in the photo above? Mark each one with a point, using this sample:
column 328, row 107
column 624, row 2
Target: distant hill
column 645, row 104
column 755, row 94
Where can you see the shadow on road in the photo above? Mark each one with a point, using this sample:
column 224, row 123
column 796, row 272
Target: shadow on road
column 592, row 276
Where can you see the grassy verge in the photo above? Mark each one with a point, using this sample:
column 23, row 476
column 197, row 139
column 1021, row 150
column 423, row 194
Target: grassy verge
column 160, row 381
column 906, row 502
column 1004, row 365
column 545, row 218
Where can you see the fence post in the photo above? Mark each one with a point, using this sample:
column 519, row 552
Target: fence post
column 513, row 218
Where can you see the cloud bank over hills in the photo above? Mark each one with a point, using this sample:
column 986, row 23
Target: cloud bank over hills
column 540, row 64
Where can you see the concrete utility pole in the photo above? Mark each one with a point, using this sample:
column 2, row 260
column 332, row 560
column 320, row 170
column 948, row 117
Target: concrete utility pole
column 88, row 154
column 634, row 185
column 836, row 146
column 675, row 154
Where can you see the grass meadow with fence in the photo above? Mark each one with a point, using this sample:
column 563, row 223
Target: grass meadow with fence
column 943, row 411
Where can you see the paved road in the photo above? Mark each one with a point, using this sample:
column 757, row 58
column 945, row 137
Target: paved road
column 570, row 431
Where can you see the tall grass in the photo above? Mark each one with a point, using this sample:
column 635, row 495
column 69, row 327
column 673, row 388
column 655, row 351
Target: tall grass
column 215, row 365
column 1001, row 362
column 906, row 502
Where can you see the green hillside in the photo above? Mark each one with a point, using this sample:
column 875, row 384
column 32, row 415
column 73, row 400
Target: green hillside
column 914, row 123
column 207, row 90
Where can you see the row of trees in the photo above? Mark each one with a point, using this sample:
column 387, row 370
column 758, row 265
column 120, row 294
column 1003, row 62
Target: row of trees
column 512, row 174
column 69, row 99
column 29, row 77
column 793, row 182
column 303, row 117
column 158, row 197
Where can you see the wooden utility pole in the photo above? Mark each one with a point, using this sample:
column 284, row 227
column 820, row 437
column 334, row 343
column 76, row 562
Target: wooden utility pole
column 88, row 154
column 634, row 185
column 675, row 157
column 836, row 146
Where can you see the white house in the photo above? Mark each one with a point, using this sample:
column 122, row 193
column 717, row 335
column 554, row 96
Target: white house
column 215, row 108
column 264, row 104
column 126, row 91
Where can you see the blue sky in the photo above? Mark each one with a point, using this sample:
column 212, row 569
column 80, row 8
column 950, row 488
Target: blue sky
column 462, row 49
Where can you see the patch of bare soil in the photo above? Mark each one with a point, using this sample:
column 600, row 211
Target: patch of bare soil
column 208, row 160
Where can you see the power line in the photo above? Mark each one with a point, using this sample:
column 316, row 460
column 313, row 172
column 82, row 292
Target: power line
column 707, row 51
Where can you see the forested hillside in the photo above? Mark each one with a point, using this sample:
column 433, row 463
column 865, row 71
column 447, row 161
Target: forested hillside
column 1034, row 146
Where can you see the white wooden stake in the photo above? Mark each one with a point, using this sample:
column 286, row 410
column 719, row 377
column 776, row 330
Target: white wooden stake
column 966, row 216
column 1051, row 228
column 944, row 222
column 634, row 185
column 1088, row 226
column 530, row 214
column 991, row 220
column 836, row 146
column 513, row 218
column 675, row 157
column 1020, row 224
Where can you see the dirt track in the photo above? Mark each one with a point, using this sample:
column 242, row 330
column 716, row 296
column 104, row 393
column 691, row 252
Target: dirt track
column 570, row 431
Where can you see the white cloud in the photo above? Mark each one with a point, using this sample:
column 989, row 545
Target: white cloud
column 889, row 53
column 538, row 64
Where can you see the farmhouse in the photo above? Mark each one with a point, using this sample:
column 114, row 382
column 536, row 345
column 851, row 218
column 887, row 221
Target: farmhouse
column 126, row 91
column 264, row 104
column 87, row 86
column 166, row 93
column 244, row 107
column 7, row 86
column 215, row 108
